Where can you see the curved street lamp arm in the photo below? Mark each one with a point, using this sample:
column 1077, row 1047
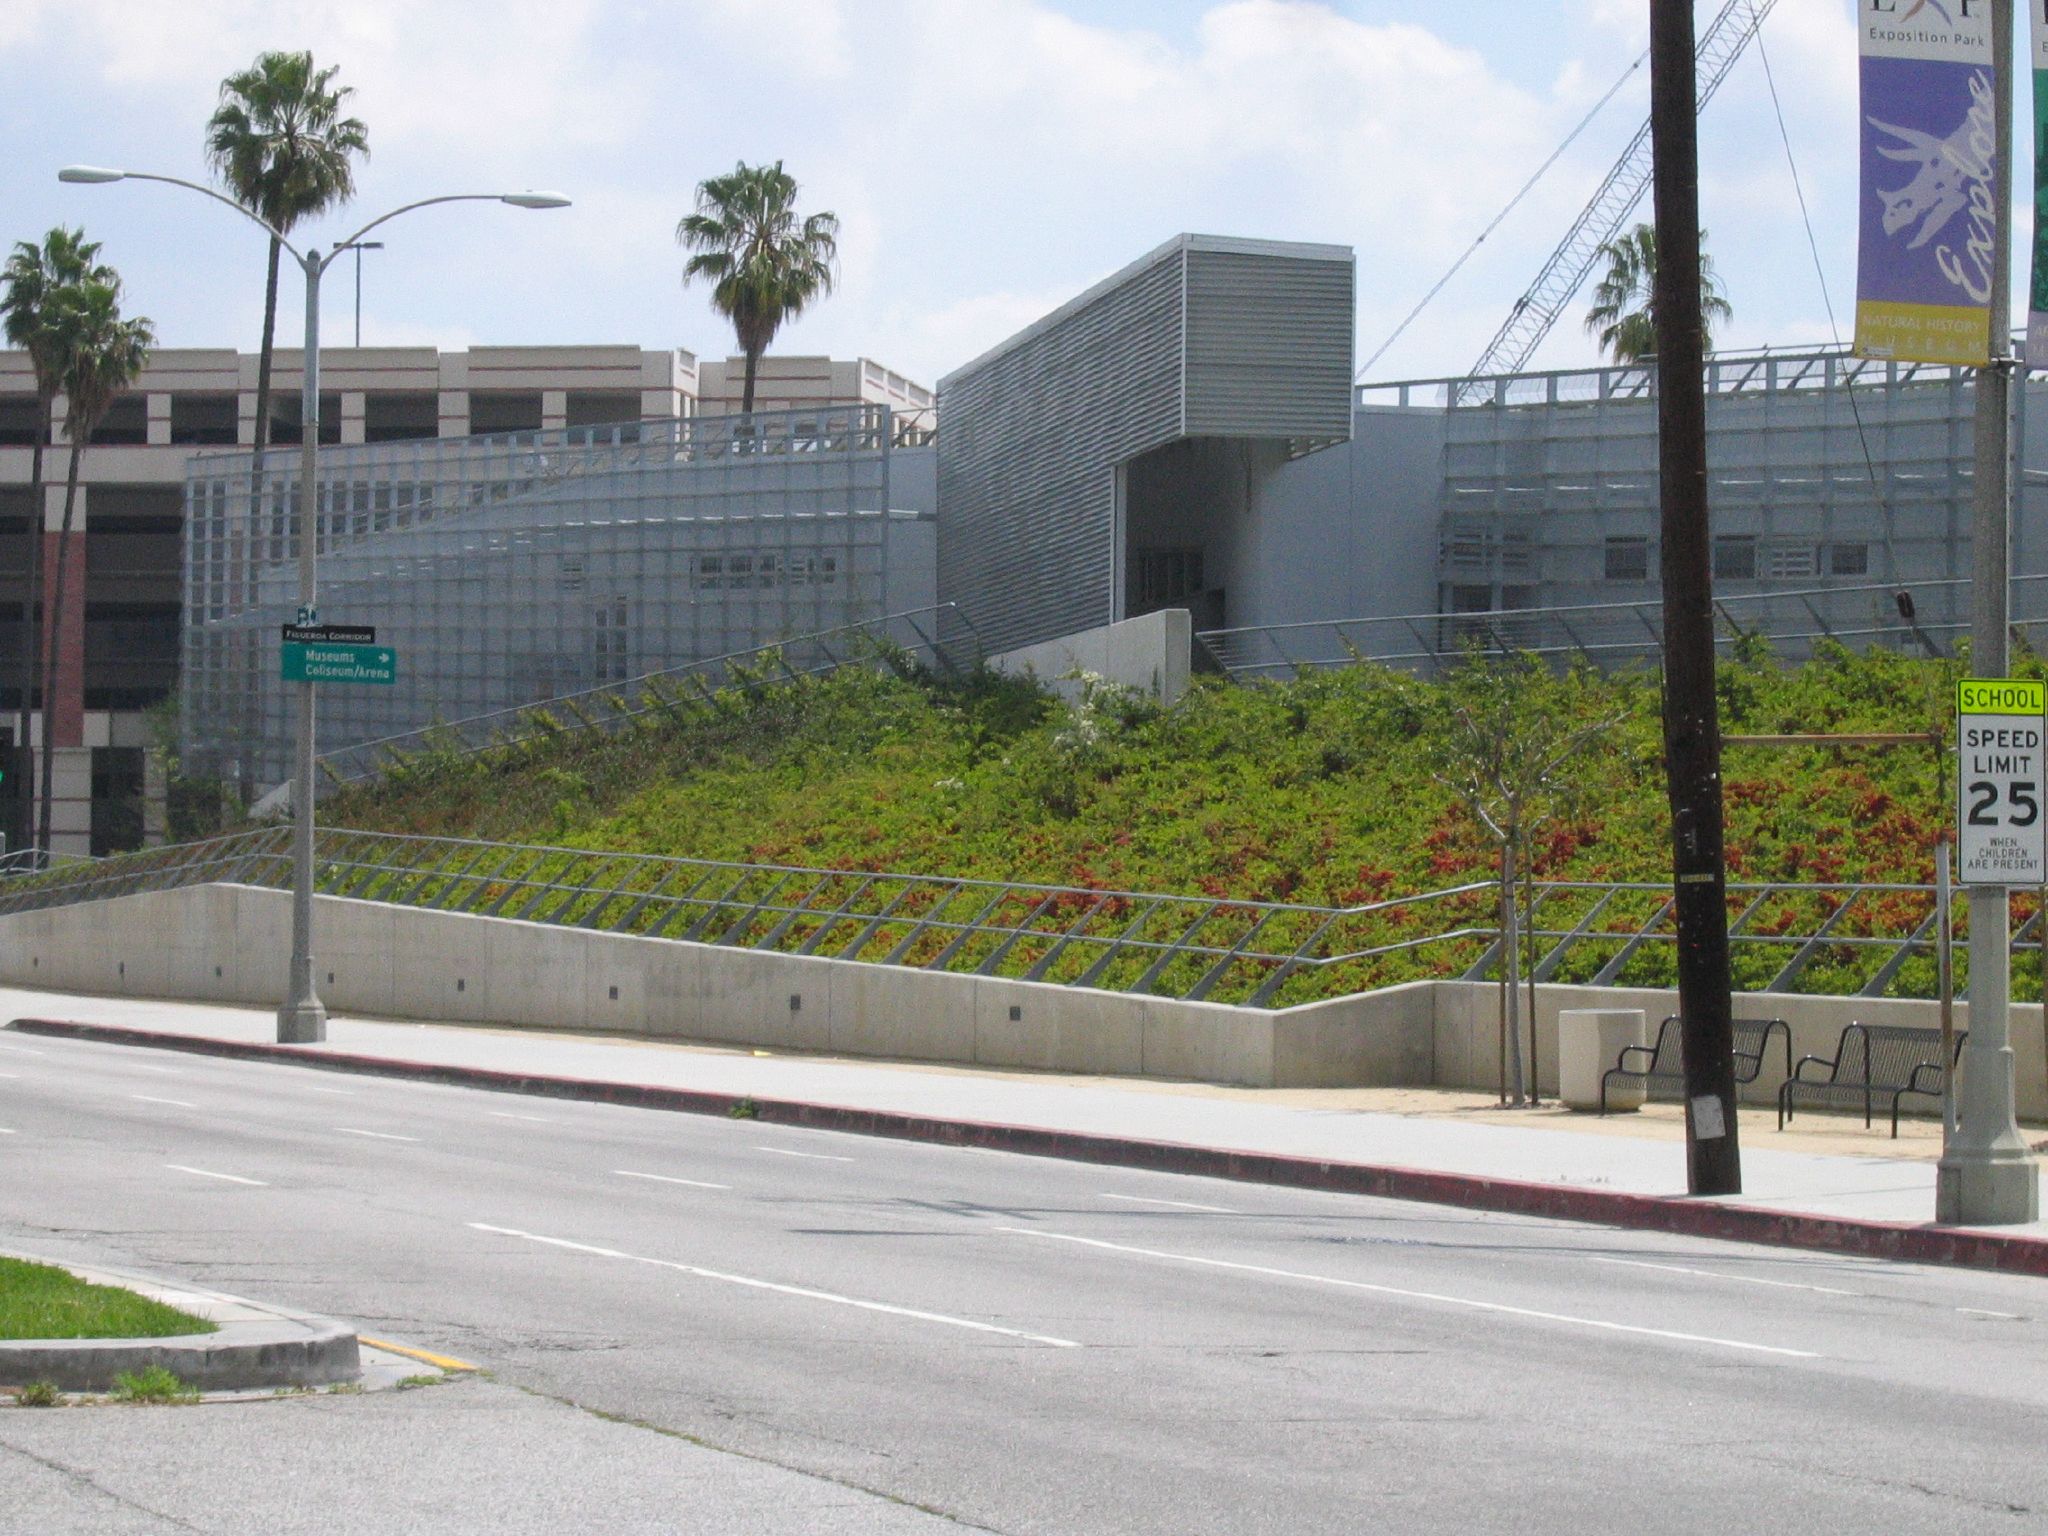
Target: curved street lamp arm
column 205, row 191
column 425, row 202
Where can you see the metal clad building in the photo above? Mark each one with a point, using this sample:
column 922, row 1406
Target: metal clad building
column 506, row 570
column 1236, row 341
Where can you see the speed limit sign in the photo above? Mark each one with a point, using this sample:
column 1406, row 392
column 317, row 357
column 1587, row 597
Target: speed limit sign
column 2002, row 837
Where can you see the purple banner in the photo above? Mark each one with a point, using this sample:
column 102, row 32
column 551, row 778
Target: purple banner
column 1923, row 272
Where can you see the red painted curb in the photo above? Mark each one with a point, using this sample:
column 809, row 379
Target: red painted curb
column 1657, row 1213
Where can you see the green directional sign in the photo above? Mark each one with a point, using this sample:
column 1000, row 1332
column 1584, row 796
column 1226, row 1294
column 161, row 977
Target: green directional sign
column 330, row 663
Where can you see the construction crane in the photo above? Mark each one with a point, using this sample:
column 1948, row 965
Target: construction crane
column 1536, row 311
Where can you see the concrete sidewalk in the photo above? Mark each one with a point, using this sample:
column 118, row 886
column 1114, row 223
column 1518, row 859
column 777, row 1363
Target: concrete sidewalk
column 1456, row 1147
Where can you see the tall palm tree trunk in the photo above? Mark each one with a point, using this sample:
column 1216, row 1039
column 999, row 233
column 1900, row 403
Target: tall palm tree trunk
column 747, row 389
column 264, row 358
column 56, row 631
column 22, row 833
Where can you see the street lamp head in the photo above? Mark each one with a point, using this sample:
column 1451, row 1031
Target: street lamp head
column 90, row 175
column 535, row 199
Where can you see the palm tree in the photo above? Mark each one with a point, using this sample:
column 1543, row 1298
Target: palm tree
column 279, row 144
column 1624, row 312
column 100, row 355
column 33, row 277
column 764, row 264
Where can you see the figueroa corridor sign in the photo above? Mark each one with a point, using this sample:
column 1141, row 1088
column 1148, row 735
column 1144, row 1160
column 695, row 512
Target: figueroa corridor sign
column 2002, row 838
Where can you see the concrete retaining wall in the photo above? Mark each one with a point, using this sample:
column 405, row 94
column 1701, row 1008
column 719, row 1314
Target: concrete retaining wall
column 1150, row 653
column 228, row 943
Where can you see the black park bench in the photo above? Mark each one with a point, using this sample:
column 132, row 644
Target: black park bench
column 1872, row 1063
column 1664, row 1062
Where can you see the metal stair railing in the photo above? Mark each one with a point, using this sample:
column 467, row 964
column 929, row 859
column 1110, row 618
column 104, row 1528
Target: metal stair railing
column 1836, row 938
column 1193, row 947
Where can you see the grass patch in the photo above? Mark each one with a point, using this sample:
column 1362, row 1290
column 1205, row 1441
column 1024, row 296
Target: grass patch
column 154, row 1385
column 41, row 1301
column 411, row 1383
column 37, row 1394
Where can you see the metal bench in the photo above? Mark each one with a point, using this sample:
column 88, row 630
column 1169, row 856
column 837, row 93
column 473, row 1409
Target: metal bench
column 1872, row 1062
column 1664, row 1062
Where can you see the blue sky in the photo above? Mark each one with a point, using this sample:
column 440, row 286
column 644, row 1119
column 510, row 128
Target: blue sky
column 987, row 158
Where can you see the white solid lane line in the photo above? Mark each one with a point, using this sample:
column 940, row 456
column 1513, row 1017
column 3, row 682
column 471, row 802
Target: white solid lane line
column 349, row 1130
column 206, row 1173
column 1184, row 1205
column 662, row 1178
column 147, row 1099
column 1711, row 1274
column 1497, row 1307
column 783, row 1290
column 816, row 1157
column 506, row 1114
column 2010, row 1317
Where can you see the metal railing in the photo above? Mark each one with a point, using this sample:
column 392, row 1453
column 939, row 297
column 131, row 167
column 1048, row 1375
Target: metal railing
column 1770, row 371
column 1618, row 633
column 613, row 706
column 1194, row 948
column 1839, row 939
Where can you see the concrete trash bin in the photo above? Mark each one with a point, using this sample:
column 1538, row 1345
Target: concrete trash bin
column 1589, row 1042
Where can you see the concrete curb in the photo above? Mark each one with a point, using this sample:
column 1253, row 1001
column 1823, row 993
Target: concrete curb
column 257, row 1346
column 1923, row 1244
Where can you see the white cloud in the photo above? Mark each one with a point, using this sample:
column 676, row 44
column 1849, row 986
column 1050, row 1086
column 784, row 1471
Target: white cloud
column 988, row 158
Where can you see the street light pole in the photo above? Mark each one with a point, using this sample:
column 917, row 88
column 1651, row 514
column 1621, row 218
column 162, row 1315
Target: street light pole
column 1986, row 1175
column 302, row 1017
column 302, row 1020
column 360, row 247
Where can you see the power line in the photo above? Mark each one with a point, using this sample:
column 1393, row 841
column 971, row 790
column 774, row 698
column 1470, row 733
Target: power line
column 1513, row 202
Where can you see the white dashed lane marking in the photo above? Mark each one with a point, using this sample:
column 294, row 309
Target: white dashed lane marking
column 349, row 1130
column 663, row 1178
column 174, row 1103
column 1498, row 1308
column 800, row 1291
column 207, row 1173
column 816, row 1157
column 1183, row 1205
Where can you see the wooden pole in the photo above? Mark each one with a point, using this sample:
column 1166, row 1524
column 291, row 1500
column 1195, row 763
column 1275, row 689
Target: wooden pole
column 1692, row 744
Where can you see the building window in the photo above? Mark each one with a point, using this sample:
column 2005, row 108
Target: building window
column 1789, row 562
column 610, row 662
column 1166, row 576
column 1469, row 597
column 18, row 421
column 117, row 791
column 504, row 411
column 287, row 416
column 204, row 421
column 126, row 424
column 1628, row 559
column 602, row 408
column 1848, row 559
column 391, row 417
column 1735, row 557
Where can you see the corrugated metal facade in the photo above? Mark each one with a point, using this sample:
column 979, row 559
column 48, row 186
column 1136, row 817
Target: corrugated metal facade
column 1227, row 338
column 1269, row 343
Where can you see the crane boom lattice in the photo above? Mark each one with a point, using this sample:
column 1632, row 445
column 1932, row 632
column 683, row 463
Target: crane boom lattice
column 1536, row 311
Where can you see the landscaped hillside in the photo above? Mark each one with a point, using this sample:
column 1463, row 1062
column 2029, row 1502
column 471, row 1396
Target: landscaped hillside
column 1321, row 790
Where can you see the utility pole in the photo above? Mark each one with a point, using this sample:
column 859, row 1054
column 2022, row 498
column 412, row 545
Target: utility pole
column 1692, row 726
column 1986, row 1175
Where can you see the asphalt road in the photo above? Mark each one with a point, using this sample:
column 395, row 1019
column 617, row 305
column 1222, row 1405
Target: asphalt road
column 1026, row 1345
